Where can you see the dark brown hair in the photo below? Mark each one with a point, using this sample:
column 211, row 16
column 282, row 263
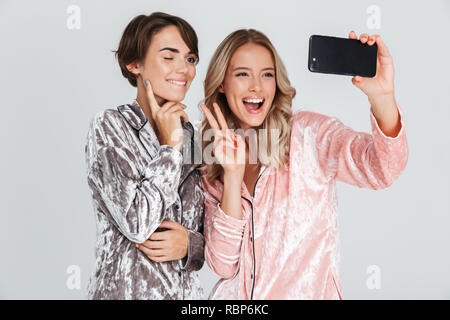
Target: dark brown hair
column 138, row 34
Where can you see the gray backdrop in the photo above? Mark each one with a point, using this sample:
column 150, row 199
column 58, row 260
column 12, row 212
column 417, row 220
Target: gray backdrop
column 56, row 76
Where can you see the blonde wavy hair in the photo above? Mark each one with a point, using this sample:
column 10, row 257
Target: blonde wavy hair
column 279, row 115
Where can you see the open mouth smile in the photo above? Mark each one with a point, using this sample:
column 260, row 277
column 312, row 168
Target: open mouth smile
column 253, row 105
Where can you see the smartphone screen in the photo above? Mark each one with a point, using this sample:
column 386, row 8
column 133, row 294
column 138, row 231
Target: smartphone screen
column 342, row 56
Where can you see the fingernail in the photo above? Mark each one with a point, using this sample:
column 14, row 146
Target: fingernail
column 146, row 83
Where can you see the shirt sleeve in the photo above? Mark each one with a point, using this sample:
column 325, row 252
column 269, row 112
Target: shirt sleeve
column 134, row 201
column 195, row 257
column 365, row 160
column 223, row 236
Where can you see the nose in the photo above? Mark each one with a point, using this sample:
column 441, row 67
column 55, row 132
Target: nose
column 255, row 84
column 182, row 66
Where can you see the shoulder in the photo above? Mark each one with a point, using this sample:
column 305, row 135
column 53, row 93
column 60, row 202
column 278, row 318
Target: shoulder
column 106, row 117
column 109, row 121
column 107, row 127
column 212, row 189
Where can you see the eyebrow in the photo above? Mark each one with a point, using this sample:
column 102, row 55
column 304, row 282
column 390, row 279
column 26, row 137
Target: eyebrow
column 244, row 68
column 174, row 50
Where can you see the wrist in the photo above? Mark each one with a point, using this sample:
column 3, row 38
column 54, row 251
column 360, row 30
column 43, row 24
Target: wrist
column 385, row 111
column 174, row 138
column 172, row 144
column 382, row 103
column 233, row 178
column 177, row 146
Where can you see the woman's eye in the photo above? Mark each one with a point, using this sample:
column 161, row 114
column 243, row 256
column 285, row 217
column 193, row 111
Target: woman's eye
column 168, row 58
column 268, row 74
column 191, row 60
column 242, row 74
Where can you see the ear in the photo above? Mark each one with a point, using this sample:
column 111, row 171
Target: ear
column 221, row 89
column 134, row 67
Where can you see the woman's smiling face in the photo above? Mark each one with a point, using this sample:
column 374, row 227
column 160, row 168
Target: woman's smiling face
column 169, row 65
column 249, row 84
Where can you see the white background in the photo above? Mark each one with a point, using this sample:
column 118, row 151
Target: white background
column 53, row 80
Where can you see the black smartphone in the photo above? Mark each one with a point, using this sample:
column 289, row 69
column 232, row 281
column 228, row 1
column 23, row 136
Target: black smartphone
column 342, row 56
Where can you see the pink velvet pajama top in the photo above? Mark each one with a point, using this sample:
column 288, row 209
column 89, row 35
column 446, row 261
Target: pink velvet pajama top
column 286, row 246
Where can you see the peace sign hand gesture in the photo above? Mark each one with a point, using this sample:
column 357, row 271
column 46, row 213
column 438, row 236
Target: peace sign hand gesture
column 167, row 119
column 229, row 148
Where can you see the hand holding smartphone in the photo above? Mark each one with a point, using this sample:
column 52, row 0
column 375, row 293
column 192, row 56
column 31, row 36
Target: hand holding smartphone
column 342, row 56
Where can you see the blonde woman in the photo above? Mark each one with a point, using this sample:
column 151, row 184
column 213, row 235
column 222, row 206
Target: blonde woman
column 271, row 227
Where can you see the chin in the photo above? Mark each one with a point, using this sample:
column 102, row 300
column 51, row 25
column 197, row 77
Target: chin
column 173, row 97
column 253, row 124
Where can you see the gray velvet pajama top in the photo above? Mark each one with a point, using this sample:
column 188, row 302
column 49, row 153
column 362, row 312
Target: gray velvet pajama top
column 136, row 184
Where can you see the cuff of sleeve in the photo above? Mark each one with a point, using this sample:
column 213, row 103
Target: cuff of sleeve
column 195, row 256
column 377, row 130
column 173, row 152
column 229, row 227
column 392, row 151
column 238, row 223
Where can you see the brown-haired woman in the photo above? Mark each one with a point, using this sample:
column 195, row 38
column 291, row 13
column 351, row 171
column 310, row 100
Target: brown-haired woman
column 141, row 171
